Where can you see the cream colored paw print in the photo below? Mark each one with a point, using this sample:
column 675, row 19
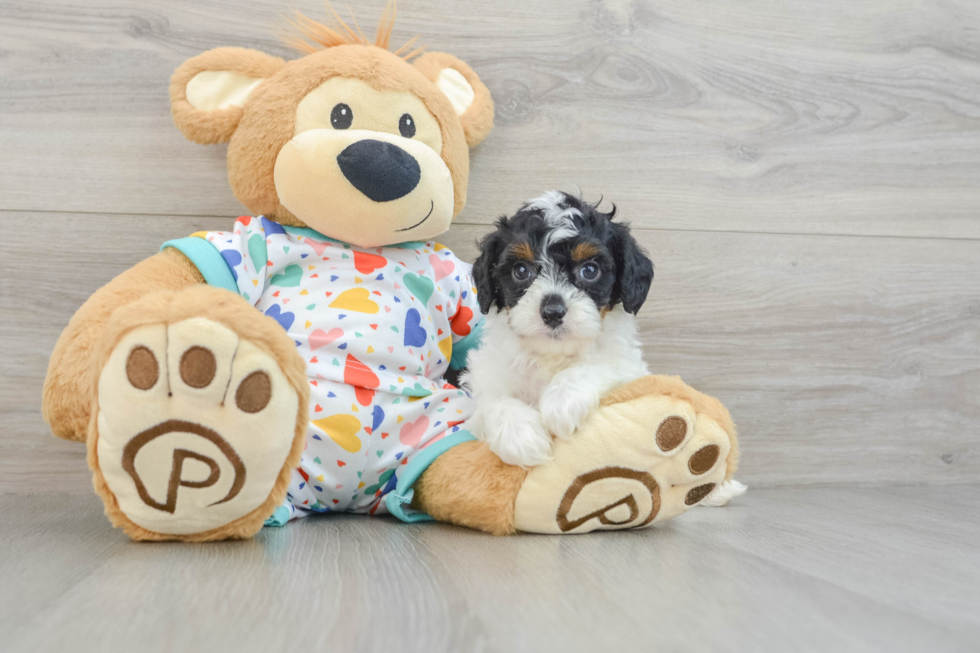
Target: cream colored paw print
column 194, row 425
column 620, row 473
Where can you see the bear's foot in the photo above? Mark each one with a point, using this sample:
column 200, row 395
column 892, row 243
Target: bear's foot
column 199, row 417
column 654, row 449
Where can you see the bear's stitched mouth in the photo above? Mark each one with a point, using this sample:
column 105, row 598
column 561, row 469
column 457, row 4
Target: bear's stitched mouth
column 432, row 206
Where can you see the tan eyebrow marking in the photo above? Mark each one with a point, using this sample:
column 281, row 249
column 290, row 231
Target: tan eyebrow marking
column 523, row 251
column 583, row 251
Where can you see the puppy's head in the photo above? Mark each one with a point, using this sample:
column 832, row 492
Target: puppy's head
column 556, row 267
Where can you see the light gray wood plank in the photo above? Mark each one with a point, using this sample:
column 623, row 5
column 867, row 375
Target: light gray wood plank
column 781, row 569
column 794, row 117
column 843, row 360
column 890, row 554
column 77, row 248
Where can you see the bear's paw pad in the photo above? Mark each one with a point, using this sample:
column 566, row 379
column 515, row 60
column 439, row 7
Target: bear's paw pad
column 194, row 426
column 631, row 465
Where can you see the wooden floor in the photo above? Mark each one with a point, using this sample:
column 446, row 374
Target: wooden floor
column 806, row 176
column 787, row 569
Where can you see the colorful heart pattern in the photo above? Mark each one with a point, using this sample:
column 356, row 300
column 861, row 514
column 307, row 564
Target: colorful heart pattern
column 357, row 300
column 366, row 263
column 377, row 329
column 411, row 432
column 320, row 338
column 342, row 429
column 284, row 318
column 415, row 335
column 461, row 323
column 290, row 278
column 421, row 287
column 441, row 267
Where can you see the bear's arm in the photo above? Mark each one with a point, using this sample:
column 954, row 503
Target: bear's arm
column 68, row 387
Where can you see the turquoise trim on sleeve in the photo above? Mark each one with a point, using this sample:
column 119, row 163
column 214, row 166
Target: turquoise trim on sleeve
column 208, row 259
column 278, row 518
column 462, row 349
column 398, row 500
column 316, row 235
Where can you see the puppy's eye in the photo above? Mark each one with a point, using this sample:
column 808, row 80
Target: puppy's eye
column 406, row 125
column 522, row 272
column 341, row 116
column 589, row 272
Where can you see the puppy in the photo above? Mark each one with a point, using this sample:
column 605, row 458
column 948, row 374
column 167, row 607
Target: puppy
column 560, row 282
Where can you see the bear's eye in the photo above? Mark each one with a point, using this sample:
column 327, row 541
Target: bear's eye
column 341, row 116
column 406, row 125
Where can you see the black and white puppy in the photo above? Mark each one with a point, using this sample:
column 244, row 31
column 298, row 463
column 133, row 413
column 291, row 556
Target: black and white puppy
column 560, row 282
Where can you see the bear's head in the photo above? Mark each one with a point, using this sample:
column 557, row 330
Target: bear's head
column 351, row 139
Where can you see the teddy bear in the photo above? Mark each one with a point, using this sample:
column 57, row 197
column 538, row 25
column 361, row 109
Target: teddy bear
column 297, row 363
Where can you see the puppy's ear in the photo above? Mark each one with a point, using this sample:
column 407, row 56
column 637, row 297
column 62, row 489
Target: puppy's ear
column 634, row 269
column 491, row 248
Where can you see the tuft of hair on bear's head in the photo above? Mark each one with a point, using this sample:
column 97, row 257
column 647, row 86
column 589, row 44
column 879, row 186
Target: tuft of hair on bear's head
column 315, row 36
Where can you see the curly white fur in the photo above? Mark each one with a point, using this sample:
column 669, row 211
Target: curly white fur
column 531, row 386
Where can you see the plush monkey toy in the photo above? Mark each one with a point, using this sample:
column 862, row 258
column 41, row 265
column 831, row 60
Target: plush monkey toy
column 295, row 364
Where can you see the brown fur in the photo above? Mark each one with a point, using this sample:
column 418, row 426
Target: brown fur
column 259, row 130
column 584, row 251
column 270, row 117
column 256, row 132
column 324, row 36
column 673, row 386
column 478, row 119
column 224, row 307
column 523, row 251
column 68, row 385
column 211, row 127
column 470, row 486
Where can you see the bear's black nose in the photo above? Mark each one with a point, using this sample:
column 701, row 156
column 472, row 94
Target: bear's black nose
column 380, row 170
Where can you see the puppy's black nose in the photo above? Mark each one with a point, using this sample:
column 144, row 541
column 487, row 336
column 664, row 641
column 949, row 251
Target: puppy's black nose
column 553, row 310
column 380, row 170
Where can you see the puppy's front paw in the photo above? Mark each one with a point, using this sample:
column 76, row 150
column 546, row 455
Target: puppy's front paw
column 563, row 408
column 514, row 432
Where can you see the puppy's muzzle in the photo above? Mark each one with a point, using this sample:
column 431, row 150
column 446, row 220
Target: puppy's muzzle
column 553, row 311
column 382, row 171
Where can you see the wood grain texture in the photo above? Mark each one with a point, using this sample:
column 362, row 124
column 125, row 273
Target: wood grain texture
column 840, row 117
column 805, row 177
column 780, row 570
column 843, row 360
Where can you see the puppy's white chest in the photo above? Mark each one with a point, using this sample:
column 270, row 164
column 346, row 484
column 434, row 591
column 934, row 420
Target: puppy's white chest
column 542, row 371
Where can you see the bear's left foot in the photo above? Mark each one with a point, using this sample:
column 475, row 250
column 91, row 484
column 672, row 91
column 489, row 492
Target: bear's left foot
column 655, row 448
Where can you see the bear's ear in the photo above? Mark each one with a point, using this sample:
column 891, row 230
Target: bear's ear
column 468, row 95
column 207, row 92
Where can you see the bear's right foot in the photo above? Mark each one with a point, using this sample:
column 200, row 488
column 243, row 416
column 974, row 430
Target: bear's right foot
column 197, row 425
